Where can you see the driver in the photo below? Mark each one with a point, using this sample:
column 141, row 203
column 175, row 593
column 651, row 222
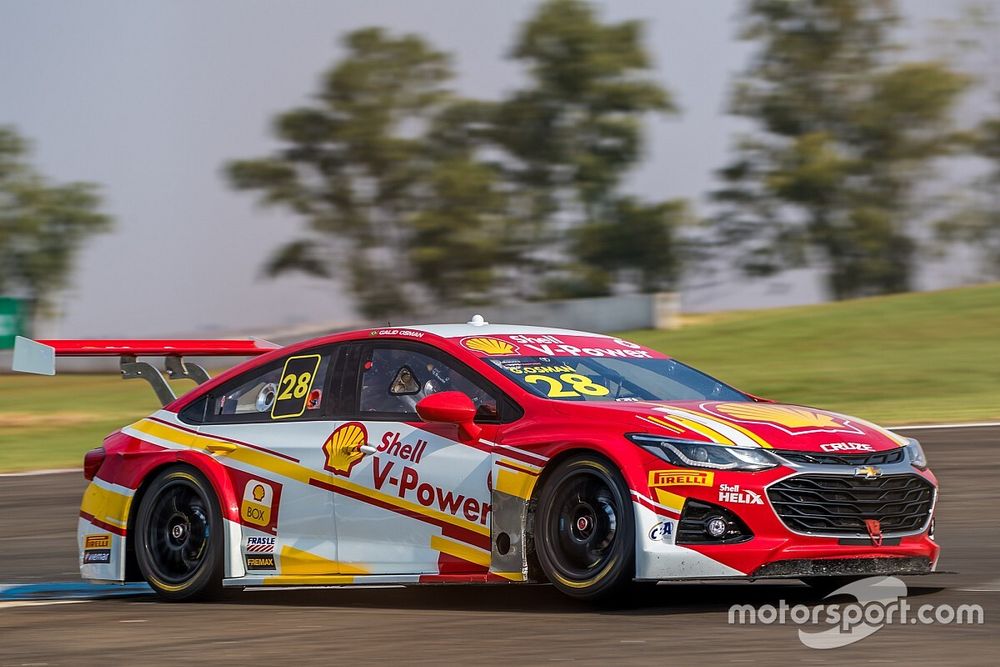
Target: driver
column 390, row 384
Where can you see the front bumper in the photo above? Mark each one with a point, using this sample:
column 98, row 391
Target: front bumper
column 844, row 567
column 664, row 548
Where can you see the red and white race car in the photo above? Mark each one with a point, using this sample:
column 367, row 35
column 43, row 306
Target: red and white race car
column 483, row 453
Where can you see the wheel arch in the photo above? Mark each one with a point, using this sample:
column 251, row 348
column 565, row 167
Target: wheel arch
column 513, row 513
column 599, row 455
column 217, row 477
column 534, row 568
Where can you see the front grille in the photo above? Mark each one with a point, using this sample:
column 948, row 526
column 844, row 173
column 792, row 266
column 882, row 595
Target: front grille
column 875, row 459
column 839, row 504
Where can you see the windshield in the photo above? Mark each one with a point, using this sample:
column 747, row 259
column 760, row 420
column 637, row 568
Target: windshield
column 603, row 379
column 570, row 366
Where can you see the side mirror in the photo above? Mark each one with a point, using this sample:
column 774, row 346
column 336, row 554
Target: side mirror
column 451, row 407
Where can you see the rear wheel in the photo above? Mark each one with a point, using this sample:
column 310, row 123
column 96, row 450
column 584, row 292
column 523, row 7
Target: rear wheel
column 179, row 536
column 585, row 529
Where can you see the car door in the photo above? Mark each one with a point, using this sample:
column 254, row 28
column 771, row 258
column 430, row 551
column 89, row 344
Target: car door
column 282, row 414
column 417, row 501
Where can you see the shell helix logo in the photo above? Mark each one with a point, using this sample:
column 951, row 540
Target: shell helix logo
column 258, row 497
column 493, row 347
column 343, row 448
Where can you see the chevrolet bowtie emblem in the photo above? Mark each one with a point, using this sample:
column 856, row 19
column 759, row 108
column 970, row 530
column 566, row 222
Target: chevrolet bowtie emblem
column 868, row 472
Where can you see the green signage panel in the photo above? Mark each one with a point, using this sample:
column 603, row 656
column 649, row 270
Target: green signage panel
column 13, row 315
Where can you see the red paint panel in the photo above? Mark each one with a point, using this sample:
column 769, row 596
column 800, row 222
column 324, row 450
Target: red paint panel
column 158, row 347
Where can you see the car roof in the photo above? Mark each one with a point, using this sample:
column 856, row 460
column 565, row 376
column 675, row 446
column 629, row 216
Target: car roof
column 487, row 329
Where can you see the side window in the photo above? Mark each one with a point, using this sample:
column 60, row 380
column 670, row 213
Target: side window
column 294, row 388
column 394, row 380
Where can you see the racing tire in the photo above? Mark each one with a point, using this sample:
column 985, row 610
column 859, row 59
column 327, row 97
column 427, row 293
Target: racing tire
column 584, row 530
column 179, row 536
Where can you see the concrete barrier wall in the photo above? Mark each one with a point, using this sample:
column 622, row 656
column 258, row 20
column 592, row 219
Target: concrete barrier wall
column 602, row 314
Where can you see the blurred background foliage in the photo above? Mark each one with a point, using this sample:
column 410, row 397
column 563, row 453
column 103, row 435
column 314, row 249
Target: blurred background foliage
column 846, row 133
column 42, row 225
column 413, row 195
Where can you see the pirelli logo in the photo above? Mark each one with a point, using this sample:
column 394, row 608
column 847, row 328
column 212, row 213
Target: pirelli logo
column 97, row 542
column 661, row 478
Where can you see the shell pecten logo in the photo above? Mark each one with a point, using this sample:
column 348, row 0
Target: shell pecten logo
column 257, row 500
column 791, row 417
column 490, row 346
column 343, row 448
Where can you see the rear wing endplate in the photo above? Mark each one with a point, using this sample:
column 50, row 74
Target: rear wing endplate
column 39, row 357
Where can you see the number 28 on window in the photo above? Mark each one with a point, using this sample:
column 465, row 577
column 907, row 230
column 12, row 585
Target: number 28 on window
column 293, row 388
column 567, row 385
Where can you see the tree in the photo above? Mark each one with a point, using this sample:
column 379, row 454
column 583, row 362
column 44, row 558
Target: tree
column 976, row 220
column 413, row 195
column 395, row 200
column 42, row 226
column 847, row 134
column 571, row 135
column 460, row 242
column 977, row 224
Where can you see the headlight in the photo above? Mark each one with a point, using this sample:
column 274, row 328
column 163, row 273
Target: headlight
column 694, row 454
column 915, row 453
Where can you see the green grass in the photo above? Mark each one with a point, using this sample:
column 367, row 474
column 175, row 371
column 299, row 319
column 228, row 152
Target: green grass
column 49, row 422
column 927, row 357
column 923, row 357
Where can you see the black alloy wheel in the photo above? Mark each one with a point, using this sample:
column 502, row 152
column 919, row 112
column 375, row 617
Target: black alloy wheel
column 585, row 529
column 179, row 536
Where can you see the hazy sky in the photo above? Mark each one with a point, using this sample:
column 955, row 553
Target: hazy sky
column 149, row 99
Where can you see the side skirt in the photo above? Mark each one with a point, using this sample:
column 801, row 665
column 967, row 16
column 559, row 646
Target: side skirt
column 370, row 579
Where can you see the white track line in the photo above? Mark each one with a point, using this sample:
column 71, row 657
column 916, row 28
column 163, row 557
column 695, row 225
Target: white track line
column 34, row 473
column 943, row 426
column 37, row 603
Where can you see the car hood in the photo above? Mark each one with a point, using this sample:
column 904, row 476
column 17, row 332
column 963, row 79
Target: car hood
column 750, row 424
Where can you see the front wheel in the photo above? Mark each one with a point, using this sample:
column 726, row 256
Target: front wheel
column 179, row 536
column 585, row 529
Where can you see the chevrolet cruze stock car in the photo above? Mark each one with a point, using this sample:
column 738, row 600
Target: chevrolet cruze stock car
column 479, row 453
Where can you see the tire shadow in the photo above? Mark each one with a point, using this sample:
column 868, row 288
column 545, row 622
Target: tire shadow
column 662, row 600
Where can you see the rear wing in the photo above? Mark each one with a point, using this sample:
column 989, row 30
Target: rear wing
column 39, row 357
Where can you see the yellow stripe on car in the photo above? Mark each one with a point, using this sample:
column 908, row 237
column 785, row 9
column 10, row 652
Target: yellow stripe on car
column 297, row 472
column 669, row 500
column 301, row 562
column 459, row 550
column 716, row 422
column 514, row 483
column 106, row 505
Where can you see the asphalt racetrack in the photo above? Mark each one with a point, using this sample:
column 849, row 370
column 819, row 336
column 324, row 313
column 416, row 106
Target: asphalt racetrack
column 682, row 624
